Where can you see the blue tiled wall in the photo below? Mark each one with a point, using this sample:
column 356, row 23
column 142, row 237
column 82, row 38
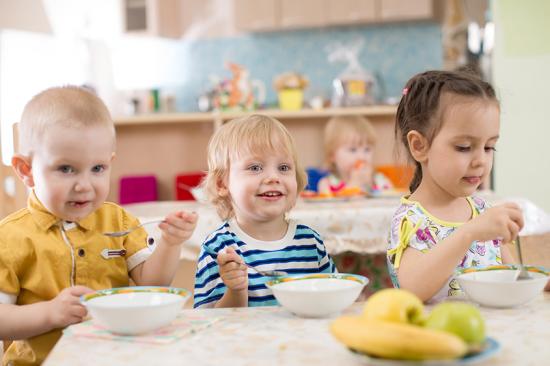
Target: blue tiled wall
column 395, row 52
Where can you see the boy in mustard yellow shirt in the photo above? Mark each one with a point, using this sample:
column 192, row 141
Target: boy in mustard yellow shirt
column 53, row 251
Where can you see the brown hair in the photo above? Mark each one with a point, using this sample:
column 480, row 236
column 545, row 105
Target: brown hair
column 341, row 129
column 421, row 109
column 71, row 106
column 254, row 133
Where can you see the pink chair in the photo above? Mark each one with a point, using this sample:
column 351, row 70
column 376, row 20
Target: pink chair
column 137, row 188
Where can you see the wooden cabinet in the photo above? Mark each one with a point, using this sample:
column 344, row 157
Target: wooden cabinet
column 303, row 13
column 267, row 15
column 264, row 15
column 5, row 197
column 351, row 11
column 254, row 15
column 13, row 193
column 405, row 10
column 160, row 18
column 174, row 18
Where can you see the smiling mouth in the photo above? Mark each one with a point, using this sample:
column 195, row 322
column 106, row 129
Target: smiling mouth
column 271, row 194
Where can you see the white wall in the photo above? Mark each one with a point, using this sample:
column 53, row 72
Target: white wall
column 522, row 79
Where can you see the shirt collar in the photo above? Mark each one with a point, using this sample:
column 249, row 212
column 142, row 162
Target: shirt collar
column 45, row 219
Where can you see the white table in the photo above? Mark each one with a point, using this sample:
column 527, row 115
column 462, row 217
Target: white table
column 273, row 336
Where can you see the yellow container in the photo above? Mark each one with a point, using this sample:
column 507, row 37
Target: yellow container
column 291, row 99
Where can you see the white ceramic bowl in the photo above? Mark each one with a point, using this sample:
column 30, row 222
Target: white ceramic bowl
column 496, row 286
column 317, row 295
column 135, row 310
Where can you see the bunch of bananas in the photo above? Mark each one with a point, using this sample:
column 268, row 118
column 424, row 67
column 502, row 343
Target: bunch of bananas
column 393, row 326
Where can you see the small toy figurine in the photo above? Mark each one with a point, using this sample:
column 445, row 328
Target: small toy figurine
column 237, row 92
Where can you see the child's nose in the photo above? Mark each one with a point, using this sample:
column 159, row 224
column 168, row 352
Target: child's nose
column 82, row 185
column 272, row 177
column 271, row 180
column 480, row 158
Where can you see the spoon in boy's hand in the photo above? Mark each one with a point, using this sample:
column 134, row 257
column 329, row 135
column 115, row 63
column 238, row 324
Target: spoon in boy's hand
column 263, row 273
column 117, row 234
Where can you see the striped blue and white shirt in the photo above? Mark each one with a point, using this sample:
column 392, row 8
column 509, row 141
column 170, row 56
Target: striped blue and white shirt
column 300, row 251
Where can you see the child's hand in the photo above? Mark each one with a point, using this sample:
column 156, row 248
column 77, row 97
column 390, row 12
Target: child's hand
column 499, row 222
column 178, row 227
column 361, row 175
column 65, row 309
column 233, row 270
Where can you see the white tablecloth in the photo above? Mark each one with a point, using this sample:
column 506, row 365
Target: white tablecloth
column 360, row 226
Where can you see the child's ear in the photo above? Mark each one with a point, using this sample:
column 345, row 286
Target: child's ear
column 329, row 161
column 23, row 168
column 221, row 186
column 418, row 146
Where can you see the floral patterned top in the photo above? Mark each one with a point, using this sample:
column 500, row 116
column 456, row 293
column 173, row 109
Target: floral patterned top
column 413, row 226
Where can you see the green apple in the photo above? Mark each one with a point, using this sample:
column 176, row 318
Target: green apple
column 394, row 305
column 460, row 318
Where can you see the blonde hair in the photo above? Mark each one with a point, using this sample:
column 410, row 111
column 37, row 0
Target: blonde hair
column 343, row 129
column 69, row 106
column 254, row 133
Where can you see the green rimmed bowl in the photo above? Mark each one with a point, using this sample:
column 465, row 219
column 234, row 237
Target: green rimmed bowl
column 497, row 286
column 135, row 310
column 317, row 295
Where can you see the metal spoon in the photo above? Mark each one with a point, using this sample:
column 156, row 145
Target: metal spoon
column 263, row 273
column 523, row 273
column 117, row 234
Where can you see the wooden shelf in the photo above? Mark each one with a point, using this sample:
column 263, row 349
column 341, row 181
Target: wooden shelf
column 153, row 118
column 209, row 117
column 166, row 144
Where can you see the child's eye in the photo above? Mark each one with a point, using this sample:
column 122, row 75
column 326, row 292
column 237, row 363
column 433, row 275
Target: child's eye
column 98, row 168
column 490, row 148
column 462, row 148
column 352, row 149
column 66, row 169
column 255, row 168
column 285, row 168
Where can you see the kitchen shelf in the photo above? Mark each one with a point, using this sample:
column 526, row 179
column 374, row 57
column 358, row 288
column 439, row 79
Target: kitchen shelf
column 209, row 117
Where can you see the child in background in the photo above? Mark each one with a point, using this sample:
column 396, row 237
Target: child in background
column 449, row 123
column 53, row 251
column 253, row 180
column 349, row 148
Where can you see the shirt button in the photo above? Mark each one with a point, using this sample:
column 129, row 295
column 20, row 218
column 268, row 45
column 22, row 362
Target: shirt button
column 81, row 252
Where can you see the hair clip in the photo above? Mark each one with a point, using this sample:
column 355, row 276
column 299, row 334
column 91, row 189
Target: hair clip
column 405, row 91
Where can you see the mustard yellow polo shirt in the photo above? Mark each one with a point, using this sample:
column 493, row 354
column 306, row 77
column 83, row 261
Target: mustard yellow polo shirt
column 40, row 255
